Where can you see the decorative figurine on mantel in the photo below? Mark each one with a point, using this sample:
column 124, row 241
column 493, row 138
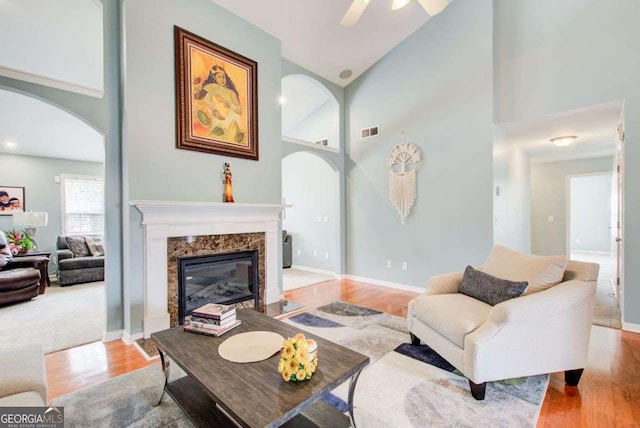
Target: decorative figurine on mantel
column 227, row 195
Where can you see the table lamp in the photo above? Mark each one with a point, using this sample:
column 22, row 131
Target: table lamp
column 29, row 221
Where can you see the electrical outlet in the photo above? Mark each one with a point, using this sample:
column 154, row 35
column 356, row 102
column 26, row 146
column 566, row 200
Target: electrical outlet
column 315, row 253
column 299, row 252
column 388, row 264
column 326, row 255
column 404, row 265
column 550, row 218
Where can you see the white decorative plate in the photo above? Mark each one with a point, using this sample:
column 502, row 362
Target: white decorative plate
column 251, row 346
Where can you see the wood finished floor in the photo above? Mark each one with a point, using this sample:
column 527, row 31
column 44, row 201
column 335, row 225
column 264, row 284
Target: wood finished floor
column 608, row 395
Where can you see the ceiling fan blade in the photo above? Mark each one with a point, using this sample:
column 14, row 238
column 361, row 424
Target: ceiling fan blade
column 433, row 7
column 353, row 14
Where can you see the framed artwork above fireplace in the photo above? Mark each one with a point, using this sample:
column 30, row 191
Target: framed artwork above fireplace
column 217, row 98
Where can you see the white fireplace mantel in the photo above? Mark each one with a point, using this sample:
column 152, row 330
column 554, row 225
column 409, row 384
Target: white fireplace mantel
column 166, row 219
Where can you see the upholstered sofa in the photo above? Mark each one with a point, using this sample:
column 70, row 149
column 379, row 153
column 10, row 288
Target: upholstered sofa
column 20, row 280
column 544, row 330
column 77, row 264
column 23, row 379
column 287, row 250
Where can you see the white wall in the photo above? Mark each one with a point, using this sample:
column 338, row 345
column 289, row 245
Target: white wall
column 590, row 213
column 310, row 184
column 549, row 198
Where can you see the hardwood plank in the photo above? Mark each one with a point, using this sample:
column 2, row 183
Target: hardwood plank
column 90, row 364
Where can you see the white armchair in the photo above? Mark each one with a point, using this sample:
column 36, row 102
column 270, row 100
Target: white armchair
column 539, row 332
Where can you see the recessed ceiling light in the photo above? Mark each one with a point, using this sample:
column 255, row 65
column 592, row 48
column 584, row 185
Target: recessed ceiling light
column 563, row 141
column 345, row 74
column 282, row 100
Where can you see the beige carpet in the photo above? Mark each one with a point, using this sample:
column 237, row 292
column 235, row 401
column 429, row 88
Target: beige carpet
column 61, row 318
column 296, row 278
column 607, row 311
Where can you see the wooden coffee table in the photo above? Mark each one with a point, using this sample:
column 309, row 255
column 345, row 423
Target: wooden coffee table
column 254, row 394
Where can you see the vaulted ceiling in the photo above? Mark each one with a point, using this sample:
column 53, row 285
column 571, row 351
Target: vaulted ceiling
column 311, row 36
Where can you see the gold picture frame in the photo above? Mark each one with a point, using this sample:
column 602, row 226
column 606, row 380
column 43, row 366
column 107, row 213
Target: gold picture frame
column 217, row 98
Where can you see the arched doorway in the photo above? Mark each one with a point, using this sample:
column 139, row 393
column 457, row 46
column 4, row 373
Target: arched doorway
column 55, row 163
column 310, row 184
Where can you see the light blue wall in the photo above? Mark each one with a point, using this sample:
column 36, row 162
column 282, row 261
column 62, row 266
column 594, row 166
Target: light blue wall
column 336, row 160
column 549, row 193
column 159, row 171
column 437, row 87
column 323, row 123
column 556, row 56
column 309, row 183
column 590, row 225
column 37, row 174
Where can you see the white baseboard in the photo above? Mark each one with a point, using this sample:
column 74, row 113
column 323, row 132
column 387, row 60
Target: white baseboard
column 634, row 328
column 144, row 353
column 130, row 339
column 108, row 336
column 384, row 283
column 595, row 253
column 314, row 270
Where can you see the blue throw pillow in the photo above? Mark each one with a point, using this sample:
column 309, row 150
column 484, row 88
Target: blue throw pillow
column 488, row 288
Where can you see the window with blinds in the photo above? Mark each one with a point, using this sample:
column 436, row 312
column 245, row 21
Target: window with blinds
column 82, row 205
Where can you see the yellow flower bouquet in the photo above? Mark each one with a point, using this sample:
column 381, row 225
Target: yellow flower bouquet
column 298, row 359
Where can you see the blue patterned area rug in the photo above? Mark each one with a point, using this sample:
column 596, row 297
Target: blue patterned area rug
column 413, row 386
column 403, row 386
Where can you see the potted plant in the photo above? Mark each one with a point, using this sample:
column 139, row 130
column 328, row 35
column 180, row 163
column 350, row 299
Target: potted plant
column 20, row 242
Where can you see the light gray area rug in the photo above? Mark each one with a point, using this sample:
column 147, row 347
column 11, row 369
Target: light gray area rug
column 398, row 390
column 607, row 311
column 126, row 401
column 395, row 390
column 61, row 318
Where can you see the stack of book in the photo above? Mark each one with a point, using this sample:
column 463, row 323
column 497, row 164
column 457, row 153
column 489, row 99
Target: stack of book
column 212, row 319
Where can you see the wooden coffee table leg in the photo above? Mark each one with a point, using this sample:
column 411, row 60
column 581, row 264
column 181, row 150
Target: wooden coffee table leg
column 165, row 371
column 352, row 390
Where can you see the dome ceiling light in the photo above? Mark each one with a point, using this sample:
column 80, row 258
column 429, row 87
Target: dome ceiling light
column 563, row 141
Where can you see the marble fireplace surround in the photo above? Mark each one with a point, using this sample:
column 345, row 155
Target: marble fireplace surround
column 162, row 220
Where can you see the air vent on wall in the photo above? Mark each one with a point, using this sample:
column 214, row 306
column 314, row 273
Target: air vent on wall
column 370, row 132
column 324, row 142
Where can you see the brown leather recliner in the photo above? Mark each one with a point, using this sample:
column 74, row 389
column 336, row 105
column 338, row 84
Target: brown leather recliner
column 18, row 283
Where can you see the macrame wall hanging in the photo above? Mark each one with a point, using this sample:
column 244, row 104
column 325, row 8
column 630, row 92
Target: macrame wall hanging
column 403, row 164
